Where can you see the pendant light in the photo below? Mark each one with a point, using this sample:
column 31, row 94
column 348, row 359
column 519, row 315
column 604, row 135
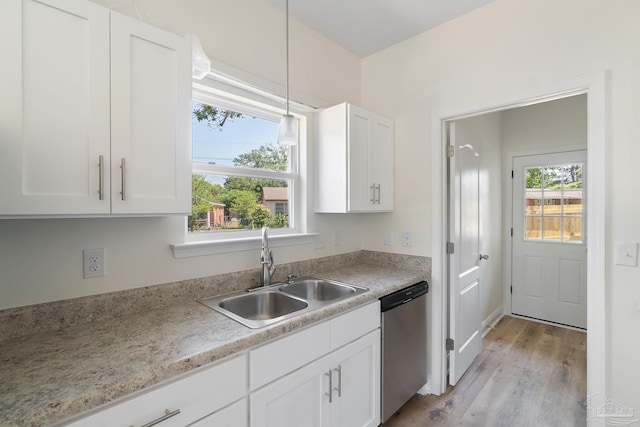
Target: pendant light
column 288, row 133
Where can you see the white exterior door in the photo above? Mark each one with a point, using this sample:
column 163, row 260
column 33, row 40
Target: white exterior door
column 465, row 324
column 549, row 271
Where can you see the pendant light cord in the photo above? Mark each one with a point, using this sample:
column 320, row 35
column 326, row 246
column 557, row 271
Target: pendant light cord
column 287, row 54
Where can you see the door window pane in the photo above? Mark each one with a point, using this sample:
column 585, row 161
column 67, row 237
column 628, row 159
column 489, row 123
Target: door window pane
column 552, row 226
column 553, row 205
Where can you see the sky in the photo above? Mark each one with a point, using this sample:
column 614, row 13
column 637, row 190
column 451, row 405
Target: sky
column 237, row 136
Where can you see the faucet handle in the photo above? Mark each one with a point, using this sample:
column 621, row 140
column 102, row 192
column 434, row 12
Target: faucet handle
column 290, row 278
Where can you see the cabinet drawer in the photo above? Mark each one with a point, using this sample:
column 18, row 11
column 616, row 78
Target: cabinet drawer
column 196, row 396
column 354, row 324
column 236, row 415
column 287, row 354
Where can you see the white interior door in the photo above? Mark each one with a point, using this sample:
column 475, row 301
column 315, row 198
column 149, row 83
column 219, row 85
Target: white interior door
column 464, row 269
column 549, row 271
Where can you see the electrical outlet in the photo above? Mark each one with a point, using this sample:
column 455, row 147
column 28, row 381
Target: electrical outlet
column 406, row 239
column 319, row 243
column 93, row 261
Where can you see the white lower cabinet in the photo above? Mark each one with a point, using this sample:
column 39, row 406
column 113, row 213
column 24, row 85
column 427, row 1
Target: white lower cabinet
column 232, row 416
column 356, row 396
column 183, row 401
column 298, row 399
column 341, row 387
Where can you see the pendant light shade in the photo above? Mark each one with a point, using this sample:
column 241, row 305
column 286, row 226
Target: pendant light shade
column 288, row 133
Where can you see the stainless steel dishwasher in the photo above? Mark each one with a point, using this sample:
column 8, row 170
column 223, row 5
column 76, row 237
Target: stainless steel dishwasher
column 404, row 346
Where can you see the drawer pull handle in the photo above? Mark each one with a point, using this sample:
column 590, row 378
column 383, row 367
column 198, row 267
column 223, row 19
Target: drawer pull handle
column 167, row 414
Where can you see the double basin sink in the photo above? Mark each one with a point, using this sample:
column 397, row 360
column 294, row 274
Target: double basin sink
column 280, row 301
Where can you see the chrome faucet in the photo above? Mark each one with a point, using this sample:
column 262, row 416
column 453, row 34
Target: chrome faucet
column 266, row 259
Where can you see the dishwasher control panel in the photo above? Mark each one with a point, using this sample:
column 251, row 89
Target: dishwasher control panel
column 403, row 296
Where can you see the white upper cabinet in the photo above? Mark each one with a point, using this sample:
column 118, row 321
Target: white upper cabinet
column 54, row 108
column 83, row 88
column 150, row 119
column 354, row 161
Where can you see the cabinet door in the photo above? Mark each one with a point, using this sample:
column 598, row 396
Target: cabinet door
column 151, row 119
column 54, row 107
column 356, row 395
column 370, row 185
column 381, row 168
column 299, row 399
column 232, row 416
column 360, row 186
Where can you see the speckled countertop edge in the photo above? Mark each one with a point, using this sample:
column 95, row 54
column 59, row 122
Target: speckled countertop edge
column 50, row 376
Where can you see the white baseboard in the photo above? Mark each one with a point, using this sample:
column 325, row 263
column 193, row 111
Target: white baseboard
column 491, row 320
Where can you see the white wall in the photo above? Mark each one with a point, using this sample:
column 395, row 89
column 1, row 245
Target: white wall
column 504, row 48
column 41, row 260
column 555, row 124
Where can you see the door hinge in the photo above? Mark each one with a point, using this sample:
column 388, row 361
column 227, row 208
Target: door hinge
column 512, row 289
column 449, row 344
column 511, row 173
column 511, row 231
column 450, row 151
column 450, row 248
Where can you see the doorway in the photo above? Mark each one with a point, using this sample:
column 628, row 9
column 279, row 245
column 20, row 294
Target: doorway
column 594, row 88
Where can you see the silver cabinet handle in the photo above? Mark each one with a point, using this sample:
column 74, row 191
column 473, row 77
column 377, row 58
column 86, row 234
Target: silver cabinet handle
column 378, row 188
column 122, row 175
column 484, row 257
column 373, row 193
column 330, row 394
column 339, row 388
column 101, row 177
column 167, row 414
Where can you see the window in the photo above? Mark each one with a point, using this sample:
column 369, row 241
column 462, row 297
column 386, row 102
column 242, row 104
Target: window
column 242, row 179
column 554, row 209
column 281, row 208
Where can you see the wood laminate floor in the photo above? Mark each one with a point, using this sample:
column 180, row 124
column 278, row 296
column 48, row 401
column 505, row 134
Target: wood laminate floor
column 528, row 374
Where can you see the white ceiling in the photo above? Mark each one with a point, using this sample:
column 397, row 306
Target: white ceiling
column 365, row 27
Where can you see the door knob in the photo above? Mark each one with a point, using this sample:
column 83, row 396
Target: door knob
column 484, row 257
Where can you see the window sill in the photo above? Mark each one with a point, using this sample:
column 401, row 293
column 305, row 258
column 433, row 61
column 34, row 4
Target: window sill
column 213, row 247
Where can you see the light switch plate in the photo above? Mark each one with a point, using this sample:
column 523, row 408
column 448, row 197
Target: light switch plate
column 388, row 238
column 627, row 254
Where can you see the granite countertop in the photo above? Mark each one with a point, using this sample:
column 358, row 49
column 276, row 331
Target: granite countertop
column 49, row 376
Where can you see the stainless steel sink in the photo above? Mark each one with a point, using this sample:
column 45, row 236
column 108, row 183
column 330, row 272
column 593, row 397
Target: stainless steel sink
column 280, row 301
column 318, row 289
column 263, row 305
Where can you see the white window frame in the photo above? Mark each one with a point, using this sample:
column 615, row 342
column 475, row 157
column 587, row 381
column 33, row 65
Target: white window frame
column 196, row 244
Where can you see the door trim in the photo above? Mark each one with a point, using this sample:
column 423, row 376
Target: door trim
column 594, row 86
